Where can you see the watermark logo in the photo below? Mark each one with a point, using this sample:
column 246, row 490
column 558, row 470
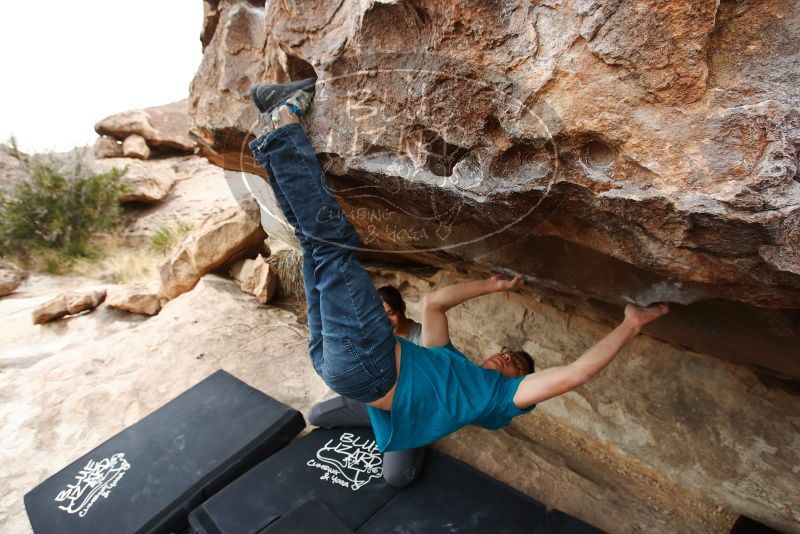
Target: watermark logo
column 95, row 480
column 349, row 461
column 421, row 161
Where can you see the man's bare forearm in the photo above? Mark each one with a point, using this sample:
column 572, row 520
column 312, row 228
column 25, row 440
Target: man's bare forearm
column 601, row 353
column 543, row 385
column 451, row 296
column 555, row 381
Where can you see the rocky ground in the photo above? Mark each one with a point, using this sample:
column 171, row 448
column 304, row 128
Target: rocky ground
column 67, row 386
column 70, row 383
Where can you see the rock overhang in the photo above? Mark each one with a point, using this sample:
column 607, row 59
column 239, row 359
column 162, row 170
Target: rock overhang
column 597, row 150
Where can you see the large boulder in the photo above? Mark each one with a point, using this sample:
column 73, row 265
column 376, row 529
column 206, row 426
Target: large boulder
column 256, row 276
column 11, row 277
column 611, row 151
column 147, row 181
column 222, row 237
column 68, row 303
column 165, row 127
column 135, row 298
column 134, row 146
column 107, row 147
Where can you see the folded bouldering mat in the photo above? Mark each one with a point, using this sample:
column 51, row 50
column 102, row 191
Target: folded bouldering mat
column 340, row 468
column 149, row 476
column 451, row 496
column 311, row 517
column 339, row 473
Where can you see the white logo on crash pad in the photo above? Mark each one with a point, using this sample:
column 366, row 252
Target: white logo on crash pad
column 349, row 462
column 95, row 480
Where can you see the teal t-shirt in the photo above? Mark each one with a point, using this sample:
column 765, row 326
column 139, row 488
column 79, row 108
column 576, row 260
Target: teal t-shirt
column 439, row 390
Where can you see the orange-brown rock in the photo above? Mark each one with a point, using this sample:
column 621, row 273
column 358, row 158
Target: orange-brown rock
column 107, row 147
column 257, row 277
column 68, row 303
column 146, row 181
column 611, row 150
column 135, row 146
column 165, row 127
column 222, row 237
column 135, row 298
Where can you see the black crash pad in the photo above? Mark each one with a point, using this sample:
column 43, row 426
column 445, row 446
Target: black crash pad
column 311, row 517
column 327, row 465
column 340, row 468
column 149, row 476
column 451, row 496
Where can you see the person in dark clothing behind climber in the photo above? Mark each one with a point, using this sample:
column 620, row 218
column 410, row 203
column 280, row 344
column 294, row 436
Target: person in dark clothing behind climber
column 395, row 308
column 351, row 343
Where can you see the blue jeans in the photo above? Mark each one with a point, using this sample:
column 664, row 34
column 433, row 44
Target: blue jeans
column 350, row 338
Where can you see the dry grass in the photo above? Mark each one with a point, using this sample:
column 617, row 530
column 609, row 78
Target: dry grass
column 119, row 263
column 289, row 265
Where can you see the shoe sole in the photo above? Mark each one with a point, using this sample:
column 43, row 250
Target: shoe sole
column 308, row 87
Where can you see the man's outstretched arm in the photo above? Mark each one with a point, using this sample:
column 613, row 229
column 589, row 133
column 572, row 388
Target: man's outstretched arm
column 435, row 330
column 554, row 381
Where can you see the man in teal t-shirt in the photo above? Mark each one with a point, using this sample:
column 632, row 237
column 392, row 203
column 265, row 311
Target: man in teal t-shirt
column 439, row 390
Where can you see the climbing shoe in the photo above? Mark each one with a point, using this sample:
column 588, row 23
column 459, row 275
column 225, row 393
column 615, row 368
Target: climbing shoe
column 267, row 96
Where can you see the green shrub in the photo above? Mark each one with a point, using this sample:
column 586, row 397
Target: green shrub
column 166, row 237
column 56, row 210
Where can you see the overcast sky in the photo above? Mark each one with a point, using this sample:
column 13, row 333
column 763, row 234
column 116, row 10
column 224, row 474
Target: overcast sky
column 67, row 65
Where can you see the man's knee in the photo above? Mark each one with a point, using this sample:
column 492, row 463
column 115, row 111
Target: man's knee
column 322, row 413
column 338, row 412
column 401, row 468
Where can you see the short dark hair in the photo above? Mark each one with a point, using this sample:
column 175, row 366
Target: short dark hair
column 528, row 358
column 393, row 298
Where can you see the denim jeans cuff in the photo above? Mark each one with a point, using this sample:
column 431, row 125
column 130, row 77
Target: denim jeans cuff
column 259, row 144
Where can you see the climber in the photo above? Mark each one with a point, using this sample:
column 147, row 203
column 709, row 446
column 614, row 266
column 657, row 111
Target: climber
column 401, row 467
column 414, row 394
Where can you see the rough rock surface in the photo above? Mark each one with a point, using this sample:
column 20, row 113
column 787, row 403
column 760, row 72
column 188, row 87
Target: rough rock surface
column 68, row 303
column 200, row 189
column 663, row 440
column 148, row 181
column 165, row 127
column 107, row 147
column 219, row 239
column 68, row 386
column 135, row 298
column 9, row 281
column 613, row 151
column 11, row 277
column 134, row 146
column 256, row 276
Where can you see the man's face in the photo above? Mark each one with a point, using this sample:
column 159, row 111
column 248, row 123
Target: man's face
column 508, row 363
column 392, row 316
